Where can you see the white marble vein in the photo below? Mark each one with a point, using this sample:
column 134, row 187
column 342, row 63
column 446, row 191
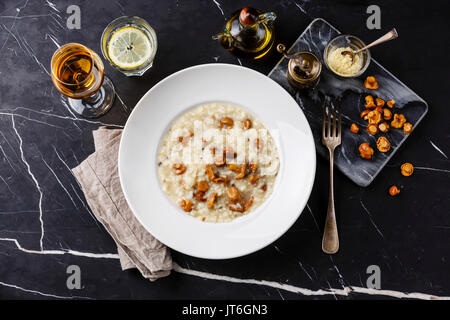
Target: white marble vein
column 53, row 38
column 13, row 24
column 308, row 292
column 68, row 168
column 432, row 169
column 51, row 5
column 220, row 8
column 59, row 181
column 38, row 187
column 304, row 270
column 439, row 150
column 341, row 277
column 63, row 251
column 49, row 295
column 74, row 118
column 371, row 219
column 7, row 186
column 298, row 5
column 312, row 215
column 345, row 291
column 7, row 158
column 124, row 106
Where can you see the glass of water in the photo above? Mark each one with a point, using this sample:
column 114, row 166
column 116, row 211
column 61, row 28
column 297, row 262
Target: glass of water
column 129, row 44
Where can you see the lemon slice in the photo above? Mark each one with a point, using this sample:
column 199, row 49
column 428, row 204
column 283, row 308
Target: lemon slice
column 129, row 48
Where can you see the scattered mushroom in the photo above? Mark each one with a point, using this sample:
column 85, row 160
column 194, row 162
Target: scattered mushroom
column 407, row 128
column 241, row 174
column 253, row 179
column 383, row 144
column 364, row 114
column 354, row 128
column 372, row 129
column 387, row 114
column 202, row 186
column 398, row 121
column 365, row 150
column 371, row 83
column 369, row 102
column 210, row 172
column 241, row 207
column 407, row 169
column 249, row 203
column 374, row 117
column 247, row 124
column 187, row 205
column 234, row 167
column 384, row 127
column 227, row 122
column 199, row 196
column 390, row 103
column 379, row 102
column 393, row 191
column 233, row 194
column 179, row 168
column 379, row 109
column 211, row 200
column 224, row 180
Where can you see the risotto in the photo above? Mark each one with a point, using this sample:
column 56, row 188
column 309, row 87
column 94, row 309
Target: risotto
column 217, row 162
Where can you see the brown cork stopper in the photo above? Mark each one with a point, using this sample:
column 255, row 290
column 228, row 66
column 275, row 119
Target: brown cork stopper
column 248, row 16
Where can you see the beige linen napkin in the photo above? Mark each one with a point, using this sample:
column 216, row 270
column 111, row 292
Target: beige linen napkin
column 99, row 178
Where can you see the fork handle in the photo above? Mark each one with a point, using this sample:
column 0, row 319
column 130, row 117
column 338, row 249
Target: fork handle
column 330, row 240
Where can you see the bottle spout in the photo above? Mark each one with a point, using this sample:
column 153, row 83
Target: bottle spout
column 225, row 38
column 268, row 17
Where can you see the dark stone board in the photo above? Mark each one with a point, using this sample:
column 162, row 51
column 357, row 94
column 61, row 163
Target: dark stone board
column 352, row 93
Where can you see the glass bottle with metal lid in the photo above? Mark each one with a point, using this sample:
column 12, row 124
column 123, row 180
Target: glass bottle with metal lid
column 304, row 68
column 249, row 33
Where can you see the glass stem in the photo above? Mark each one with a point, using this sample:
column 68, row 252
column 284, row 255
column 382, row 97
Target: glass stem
column 94, row 98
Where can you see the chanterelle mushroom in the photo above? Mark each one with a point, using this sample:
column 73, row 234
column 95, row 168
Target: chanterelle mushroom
column 233, row 194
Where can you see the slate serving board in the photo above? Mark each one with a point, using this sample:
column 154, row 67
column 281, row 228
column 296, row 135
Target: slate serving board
column 352, row 91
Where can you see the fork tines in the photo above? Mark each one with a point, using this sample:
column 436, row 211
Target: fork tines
column 331, row 122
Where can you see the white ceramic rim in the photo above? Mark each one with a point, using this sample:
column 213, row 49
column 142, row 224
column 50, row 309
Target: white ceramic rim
column 295, row 126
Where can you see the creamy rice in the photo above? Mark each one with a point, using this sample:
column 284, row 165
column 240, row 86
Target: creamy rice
column 343, row 64
column 197, row 139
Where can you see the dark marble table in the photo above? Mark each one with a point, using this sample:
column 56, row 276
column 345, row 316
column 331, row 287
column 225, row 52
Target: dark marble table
column 46, row 225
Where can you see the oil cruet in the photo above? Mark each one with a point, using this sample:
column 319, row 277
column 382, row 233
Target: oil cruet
column 249, row 33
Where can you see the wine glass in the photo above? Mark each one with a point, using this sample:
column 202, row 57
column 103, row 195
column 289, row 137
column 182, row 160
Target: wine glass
column 77, row 72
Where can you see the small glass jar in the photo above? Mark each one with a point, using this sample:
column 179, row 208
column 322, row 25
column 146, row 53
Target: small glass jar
column 304, row 71
column 347, row 41
column 147, row 40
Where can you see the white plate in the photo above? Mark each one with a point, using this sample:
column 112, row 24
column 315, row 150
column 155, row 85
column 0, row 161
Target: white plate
column 167, row 100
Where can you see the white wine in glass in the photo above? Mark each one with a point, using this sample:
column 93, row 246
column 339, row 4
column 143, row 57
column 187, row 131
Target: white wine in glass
column 77, row 72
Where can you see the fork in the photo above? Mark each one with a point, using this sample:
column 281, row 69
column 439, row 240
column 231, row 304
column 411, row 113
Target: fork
column 331, row 138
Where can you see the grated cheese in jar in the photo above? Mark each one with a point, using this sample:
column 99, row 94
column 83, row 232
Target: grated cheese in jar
column 342, row 64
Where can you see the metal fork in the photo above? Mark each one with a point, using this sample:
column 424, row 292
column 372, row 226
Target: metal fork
column 331, row 138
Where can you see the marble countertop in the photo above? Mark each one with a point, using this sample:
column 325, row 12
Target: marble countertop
column 46, row 225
